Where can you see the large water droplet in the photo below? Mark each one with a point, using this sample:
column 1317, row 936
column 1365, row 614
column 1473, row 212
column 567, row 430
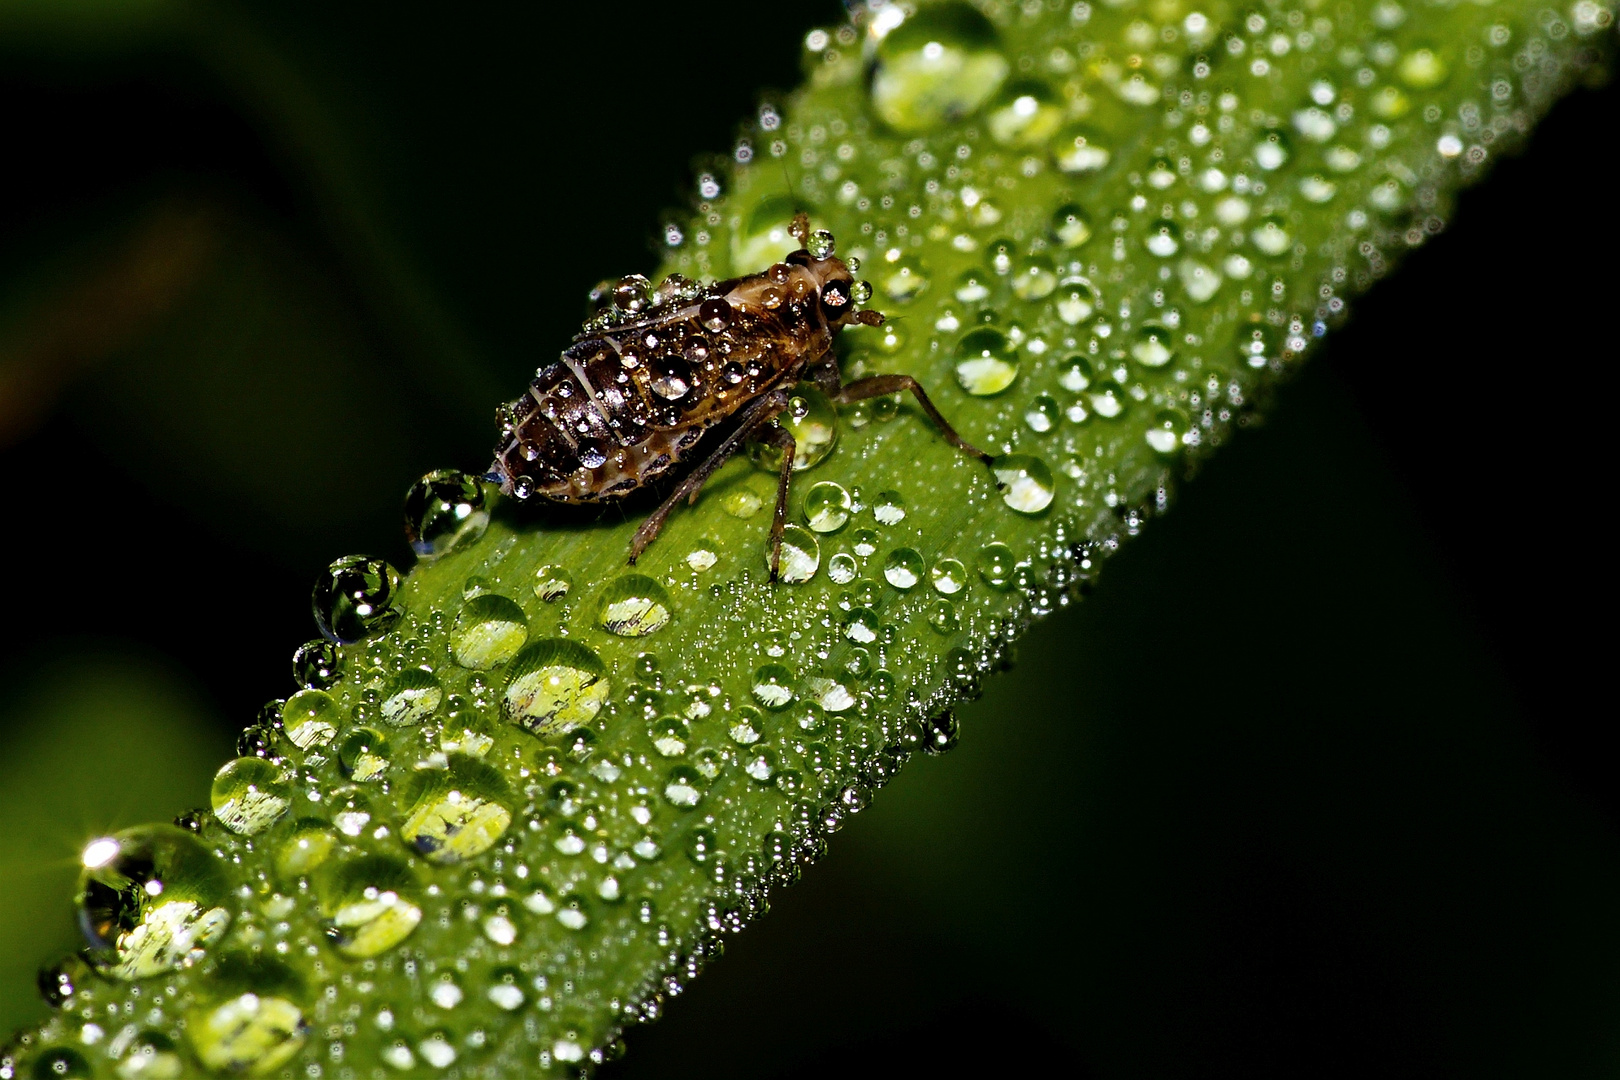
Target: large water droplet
column 1165, row 434
column 1154, row 347
column 1423, row 68
column 889, row 508
column 801, row 555
column 812, row 421
column 1077, row 300
column 250, row 794
column 1027, row 484
column 1271, row 236
column 444, row 511
column 455, row 813
column 363, row 755
column 370, row 905
column 827, row 507
column 411, row 697
column 489, row 631
column 150, row 899
column 634, row 605
column 903, row 568
column 996, row 565
column 317, row 664
column 151, row 1055
column 683, row 787
column 949, row 576
column 773, row 686
column 354, row 598
column 1035, row 279
column 555, row 685
column 252, row 1024
column 1272, row 150
column 310, row 718
column 937, row 67
column 309, row 846
column 986, row 362
column 56, row 1063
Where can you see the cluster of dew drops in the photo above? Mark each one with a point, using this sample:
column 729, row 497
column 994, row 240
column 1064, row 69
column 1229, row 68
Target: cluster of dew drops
column 460, row 776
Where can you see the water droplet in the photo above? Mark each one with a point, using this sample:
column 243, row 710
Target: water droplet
column 1154, row 347
column 842, row 568
column 310, row 844
column 1165, row 434
column 151, row 1055
column 1027, row 484
column 634, row 605
column 949, row 576
column 1272, row 150
column 253, row 1025
column 249, row 794
column 60, row 981
column 942, row 617
column 1076, row 150
column 489, row 631
column 317, row 664
column 411, row 697
column 1077, row 300
column 1317, row 188
column 1107, row 399
column 1199, row 281
column 1162, row 239
column 1271, row 236
column 1035, row 280
column 1254, row 345
column 760, row 766
column 683, row 788
column 820, row 244
column 862, row 625
column 1076, row 374
column 936, row 67
column 985, row 363
column 903, row 568
column 57, row 1063
column 354, row 598
column 1071, row 226
column 974, row 285
column 370, row 905
column 444, row 511
column 1043, row 413
column 1024, row 114
column 827, row 507
column 670, row 736
column 551, row 583
column 747, row 725
column 942, row 733
column 801, row 555
column 363, row 755
column 150, row 899
column 1423, row 68
column 889, row 509
column 902, row 283
column 773, row 687
column 554, row 686
column 812, row 421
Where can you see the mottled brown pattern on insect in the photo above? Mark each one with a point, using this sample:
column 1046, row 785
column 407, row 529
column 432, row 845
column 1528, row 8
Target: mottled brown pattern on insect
column 652, row 373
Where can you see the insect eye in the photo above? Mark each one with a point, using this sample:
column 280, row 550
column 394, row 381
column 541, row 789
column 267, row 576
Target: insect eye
column 835, row 297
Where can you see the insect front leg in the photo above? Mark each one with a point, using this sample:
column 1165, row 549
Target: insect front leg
column 879, row 385
column 755, row 415
column 781, row 438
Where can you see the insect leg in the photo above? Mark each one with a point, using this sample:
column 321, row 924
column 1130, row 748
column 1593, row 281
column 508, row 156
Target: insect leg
column 781, row 438
column 762, row 411
column 879, row 385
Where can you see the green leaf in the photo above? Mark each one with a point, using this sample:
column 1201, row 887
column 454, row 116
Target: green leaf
column 541, row 786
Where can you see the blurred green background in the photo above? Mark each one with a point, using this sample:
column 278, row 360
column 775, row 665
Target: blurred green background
column 1318, row 781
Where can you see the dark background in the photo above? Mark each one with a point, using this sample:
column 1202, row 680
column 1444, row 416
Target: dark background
column 1319, row 781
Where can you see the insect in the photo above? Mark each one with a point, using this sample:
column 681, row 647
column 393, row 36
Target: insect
column 653, row 372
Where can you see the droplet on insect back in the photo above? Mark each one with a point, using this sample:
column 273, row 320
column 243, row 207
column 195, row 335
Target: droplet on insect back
column 801, row 555
column 249, row 794
column 986, row 363
column 455, row 813
column 444, row 511
column 1027, row 484
column 936, row 67
column 150, row 899
column 249, row 1020
column 634, row 605
column 489, row 631
column 354, row 598
column 555, row 685
column 370, row 904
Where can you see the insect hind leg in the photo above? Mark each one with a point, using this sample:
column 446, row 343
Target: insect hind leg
column 879, row 385
column 758, row 414
column 782, row 439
